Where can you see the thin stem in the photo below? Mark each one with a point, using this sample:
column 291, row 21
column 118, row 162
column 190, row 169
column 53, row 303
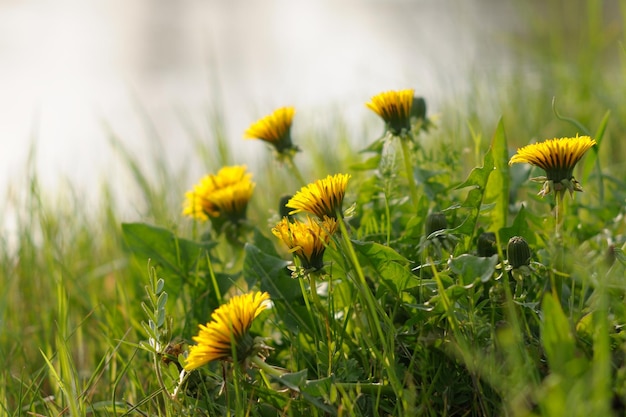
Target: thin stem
column 295, row 170
column 216, row 287
column 408, row 167
column 558, row 213
column 366, row 388
column 308, row 308
column 371, row 308
column 267, row 368
column 324, row 313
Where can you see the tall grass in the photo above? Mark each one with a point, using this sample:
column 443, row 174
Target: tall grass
column 71, row 293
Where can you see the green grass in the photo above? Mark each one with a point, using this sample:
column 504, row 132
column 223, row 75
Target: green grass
column 404, row 325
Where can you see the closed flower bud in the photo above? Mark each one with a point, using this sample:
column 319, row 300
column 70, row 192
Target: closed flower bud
column 283, row 210
column 518, row 252
column 487, row 244
column 418, row 110
column 435, row 222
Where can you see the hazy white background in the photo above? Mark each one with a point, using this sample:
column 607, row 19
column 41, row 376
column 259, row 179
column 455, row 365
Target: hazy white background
column 67, row 66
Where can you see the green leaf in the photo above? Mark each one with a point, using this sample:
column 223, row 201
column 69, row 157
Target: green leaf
column 294, row 380
column 392, row 267
column 318, row 387
column 270, row 273
column 556, row 336
column 224, row 282
column 265, row 244
column 369, row 164
column 432, row 189
column 520, row 227
column 470, row 267
column 311, row 391
column 499, row 181
column 176, row 256
column 477, row 179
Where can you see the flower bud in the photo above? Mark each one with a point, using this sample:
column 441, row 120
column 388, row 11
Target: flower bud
column 487, row 244
column 418, row 109
column 435, row 222
column 283, row 210
column 518, row 252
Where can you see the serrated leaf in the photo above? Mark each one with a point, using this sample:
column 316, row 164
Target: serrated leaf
column 318, row 387
column 556, row 336
column 498, row 184
column 390, row 266
column 477, row 179
column 176, row 256
column 368, row 164
column 520, row 227
column 270, row 274
column 470, row 267
column 264, row 244
column 294, row 380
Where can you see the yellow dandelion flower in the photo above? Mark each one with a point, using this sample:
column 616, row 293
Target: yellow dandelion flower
column 557, row 157
column 323, row 197
column 307, row 240
column 227, row 332
column 225, row 194
column 394, row 107
column 275, row 129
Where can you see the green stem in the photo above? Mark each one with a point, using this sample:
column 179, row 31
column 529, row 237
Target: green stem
column 324, row 313
column 371, row 309
column 558, row 213
column 365, row 388
column 267, row 368
column 216, row 287
column 294, row 170
column 408, row 167
column 309, row 309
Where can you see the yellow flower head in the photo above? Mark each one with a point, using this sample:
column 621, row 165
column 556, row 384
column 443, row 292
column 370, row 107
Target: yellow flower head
column 307, row 240
column 323, row 197
column 557, row 157
column 225, row 194
column 227, row 332
column 275, row 129
column 395, row 109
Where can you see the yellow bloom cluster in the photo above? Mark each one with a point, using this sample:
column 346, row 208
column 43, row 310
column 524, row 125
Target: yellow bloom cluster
column 307, row 240
column 557, row 157
column 227, row 332
column 274, row 129
column 394, row 107
column 323, row 197
column 223, row 194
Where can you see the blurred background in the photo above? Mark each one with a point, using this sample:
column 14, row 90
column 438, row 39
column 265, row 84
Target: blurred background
column 155, row 73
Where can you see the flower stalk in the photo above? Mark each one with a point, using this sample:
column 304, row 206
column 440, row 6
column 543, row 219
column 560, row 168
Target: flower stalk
column 408, row 168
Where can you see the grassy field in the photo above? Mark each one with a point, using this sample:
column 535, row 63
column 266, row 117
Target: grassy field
column 407, row 317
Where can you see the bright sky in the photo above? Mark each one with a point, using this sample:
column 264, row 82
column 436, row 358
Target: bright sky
column 68, row 65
